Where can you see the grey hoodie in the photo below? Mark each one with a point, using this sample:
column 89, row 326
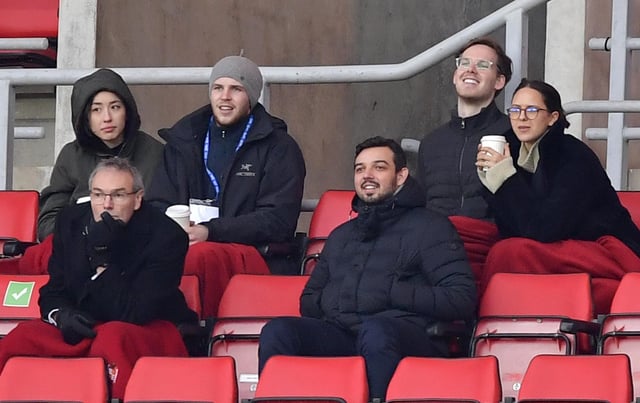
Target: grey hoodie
column 70, row 176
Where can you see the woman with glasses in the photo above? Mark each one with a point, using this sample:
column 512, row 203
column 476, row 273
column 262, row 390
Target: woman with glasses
column 553, row 201
column 106, row 124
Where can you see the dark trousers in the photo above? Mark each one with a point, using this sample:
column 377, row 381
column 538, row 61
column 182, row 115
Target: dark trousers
column 382, row 341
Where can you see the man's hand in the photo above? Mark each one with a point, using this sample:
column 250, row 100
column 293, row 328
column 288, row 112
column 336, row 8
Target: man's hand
column 101, row 236
column 197, row 233
column 75, row 325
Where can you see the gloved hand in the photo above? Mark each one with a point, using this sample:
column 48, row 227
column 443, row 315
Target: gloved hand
column 75, row 325
column 100, row 239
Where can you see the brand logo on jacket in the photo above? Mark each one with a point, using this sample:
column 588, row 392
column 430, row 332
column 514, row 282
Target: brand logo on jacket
column 245, row 170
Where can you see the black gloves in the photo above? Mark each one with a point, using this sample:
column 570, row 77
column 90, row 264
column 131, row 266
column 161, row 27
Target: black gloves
column 75, row 325
column 100, row 239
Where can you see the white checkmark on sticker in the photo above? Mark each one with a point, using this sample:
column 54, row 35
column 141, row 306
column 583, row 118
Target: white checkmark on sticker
column 17, row 295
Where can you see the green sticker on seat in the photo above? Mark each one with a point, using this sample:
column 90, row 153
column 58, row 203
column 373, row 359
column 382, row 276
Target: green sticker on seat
column 18, row 294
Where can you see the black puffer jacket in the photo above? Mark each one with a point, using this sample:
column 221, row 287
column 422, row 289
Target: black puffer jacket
column 70, row 175
column 568, row 197
column 395, row 259
column 447, row 159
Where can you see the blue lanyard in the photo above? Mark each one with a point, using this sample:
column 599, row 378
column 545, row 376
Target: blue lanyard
column 211, row 175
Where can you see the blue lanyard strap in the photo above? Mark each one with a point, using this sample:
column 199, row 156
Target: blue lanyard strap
column 243, row 138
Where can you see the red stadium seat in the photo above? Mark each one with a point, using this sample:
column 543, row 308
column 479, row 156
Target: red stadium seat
column 37, row 379
column 248, row 303
column 29, row 19
column 631, row 201
column 523, row 315
column 313, row 379
column 190, row 287
column 19, row 214
column 179, row 379
column 419, row 379
column 587, row 378
column 620, row 332
column 19, row 299
column 333, row 209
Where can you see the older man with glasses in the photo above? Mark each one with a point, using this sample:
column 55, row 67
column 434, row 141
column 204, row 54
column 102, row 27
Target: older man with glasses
column 447, row 155
column 114, row 281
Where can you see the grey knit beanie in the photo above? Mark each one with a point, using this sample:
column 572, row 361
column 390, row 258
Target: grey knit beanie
column 242, row 70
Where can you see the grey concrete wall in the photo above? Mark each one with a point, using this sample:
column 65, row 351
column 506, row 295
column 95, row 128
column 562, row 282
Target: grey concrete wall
column 327, row 120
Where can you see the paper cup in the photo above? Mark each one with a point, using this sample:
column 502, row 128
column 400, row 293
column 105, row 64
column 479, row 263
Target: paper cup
column 180, row 213
column 496, row 143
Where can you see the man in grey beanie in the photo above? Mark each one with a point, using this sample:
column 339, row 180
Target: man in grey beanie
column 236, row 163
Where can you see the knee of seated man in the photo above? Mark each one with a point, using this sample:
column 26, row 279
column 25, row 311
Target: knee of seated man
column 376, row 333
column 277, row 329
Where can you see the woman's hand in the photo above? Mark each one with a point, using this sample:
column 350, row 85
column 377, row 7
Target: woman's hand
column 487, row 157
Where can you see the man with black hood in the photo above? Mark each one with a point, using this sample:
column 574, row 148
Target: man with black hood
column 106, row 124
column 237, row 163
column 382, row 278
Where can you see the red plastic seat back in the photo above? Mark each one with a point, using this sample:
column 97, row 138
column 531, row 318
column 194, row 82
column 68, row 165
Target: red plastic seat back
column 626, row 300
column 333, row 209
column 192, row 379
column 447, row 379
column 54, row 379
column 631, row 201
column 190, row 287
column 253, row 295
column 19, row 295
column 538, row 294
column 578, row 378
column 19, row 214
column 315, row 378
column 29, row 18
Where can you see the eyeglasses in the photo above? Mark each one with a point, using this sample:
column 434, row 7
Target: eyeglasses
column 116, row 197
column 530, row 112
column 465, row 63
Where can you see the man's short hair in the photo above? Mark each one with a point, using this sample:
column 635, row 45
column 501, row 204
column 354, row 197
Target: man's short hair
column 503, row 64
column 119, row 164
column 399, row 158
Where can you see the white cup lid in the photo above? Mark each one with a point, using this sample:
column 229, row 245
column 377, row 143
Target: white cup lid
column 178, row 209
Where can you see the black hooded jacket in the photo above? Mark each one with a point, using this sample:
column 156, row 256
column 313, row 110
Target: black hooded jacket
column 76, row 161
column 447, row 160
column 394, row 259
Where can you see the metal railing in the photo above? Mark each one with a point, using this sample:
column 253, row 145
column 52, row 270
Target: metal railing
column 513, row 16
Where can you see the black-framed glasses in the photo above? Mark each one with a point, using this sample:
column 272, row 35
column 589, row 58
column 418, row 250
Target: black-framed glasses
column 116, row 197
column 530, row 112
column 465, row 63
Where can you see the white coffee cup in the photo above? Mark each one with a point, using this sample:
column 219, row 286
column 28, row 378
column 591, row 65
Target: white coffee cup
column 180, row 213
column 494, row 142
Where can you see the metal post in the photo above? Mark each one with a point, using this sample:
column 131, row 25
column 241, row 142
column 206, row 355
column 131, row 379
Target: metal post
column 517, row 48
column 616, row 144
column 7, row 97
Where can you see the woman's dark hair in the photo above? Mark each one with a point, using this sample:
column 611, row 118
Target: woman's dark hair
column 550, row 97
column 399, row 158
column 503, row 64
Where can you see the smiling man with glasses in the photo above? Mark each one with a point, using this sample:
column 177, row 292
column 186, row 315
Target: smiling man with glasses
column 113, row 290
column 447, row 155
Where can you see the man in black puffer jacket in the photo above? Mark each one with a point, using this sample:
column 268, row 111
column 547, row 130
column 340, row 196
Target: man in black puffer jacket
column 447, row 155
column 382, row 278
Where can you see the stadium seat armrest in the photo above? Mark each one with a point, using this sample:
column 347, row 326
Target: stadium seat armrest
column 14, row 247
column 579, row 326
column 448, row 329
